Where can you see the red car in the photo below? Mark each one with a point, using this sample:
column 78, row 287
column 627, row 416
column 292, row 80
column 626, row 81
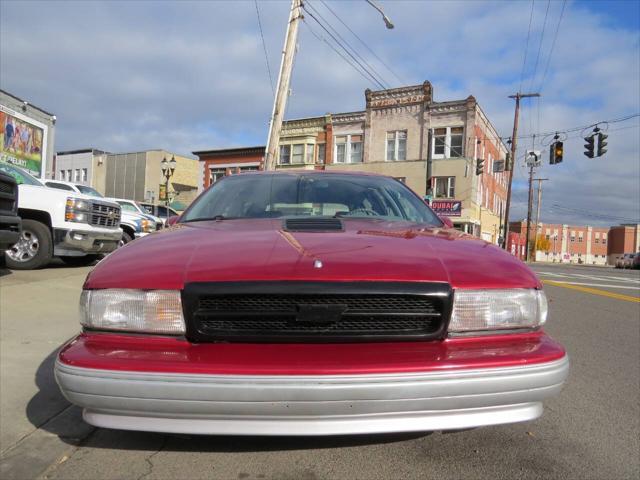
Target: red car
column 310, row 303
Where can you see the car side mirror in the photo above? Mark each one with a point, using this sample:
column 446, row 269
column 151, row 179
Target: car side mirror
column 173, row 219
column 446, row 220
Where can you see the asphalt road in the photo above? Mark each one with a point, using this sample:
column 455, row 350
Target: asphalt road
column 590, row 431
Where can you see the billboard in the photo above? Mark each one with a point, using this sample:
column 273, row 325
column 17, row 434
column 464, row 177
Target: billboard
column 449, row 208
column 22, row 142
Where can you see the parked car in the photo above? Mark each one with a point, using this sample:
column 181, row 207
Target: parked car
column 625, row 261
column 133, row 223
column 55, row 223
column 134, row 207
column 9, row 219
column 310, row 303
column 636, row 261
column 161, row 211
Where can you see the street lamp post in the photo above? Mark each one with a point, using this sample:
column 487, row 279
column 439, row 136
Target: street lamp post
column 167, row 170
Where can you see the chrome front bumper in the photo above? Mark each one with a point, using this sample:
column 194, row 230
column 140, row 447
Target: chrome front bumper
column 82, row 242
column 311, row 405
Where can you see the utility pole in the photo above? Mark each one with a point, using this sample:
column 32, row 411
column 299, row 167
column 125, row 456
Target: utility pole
column 529, row 206
column 284, row 80
column 514, row 141
column 539, row 180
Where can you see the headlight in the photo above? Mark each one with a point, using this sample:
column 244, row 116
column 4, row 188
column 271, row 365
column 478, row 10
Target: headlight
column 154, row 311
column 489, row 310
column 147, row 226
column 77, row 210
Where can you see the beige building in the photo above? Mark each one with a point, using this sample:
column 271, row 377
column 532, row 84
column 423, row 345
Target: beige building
column 136, row 175
column 403, row 133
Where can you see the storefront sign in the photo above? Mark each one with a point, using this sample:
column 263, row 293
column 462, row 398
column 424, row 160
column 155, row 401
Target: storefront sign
column 21, row 143
column 449, row 208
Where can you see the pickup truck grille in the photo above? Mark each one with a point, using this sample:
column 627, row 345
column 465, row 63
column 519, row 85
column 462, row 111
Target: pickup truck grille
column 316, row 311
column 8, row 197
column 103, row 215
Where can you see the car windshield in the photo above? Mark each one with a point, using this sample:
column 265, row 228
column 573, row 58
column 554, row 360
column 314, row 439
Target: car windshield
column 311, row 195
column 89, row 191
column 147, row 208
column 21, row 177
column 60, row 186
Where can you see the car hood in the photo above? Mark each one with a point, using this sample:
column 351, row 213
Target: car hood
column 367, row 250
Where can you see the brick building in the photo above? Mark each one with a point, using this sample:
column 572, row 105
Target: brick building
column 563, row 243
column 623, row 239
column 215, row 164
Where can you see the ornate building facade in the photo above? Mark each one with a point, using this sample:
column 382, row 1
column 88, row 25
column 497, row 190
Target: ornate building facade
column 402, row 132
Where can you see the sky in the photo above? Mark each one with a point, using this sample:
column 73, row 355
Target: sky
column 192, row 75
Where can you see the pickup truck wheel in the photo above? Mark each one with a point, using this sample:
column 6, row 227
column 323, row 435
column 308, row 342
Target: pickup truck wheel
column 33, row 249
column 126, row 238
column 80, row 261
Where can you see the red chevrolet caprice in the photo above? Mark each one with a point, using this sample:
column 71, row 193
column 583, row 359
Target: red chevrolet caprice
column 310, row 303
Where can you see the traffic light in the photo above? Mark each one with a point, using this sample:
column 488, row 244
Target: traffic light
column 507, row 161
column 556, row 151
column 602, row 142
column 590, row 146
column 479, row 166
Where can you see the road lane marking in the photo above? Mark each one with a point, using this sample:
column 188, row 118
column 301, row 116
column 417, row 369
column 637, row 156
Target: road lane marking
column 590, row 277
column 605, row 285
column 594, row 291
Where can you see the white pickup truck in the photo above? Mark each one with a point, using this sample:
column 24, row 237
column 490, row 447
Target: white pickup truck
column 73, row 226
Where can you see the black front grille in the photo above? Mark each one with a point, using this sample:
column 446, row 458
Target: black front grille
column 6, row 187
column 316, row 311
column 103, row 215
column 8, row 196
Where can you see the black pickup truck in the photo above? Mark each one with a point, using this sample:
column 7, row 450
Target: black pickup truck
column 9, row 220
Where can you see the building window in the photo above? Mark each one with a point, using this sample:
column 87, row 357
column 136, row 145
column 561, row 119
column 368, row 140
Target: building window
column 597, row 240
column 322, row 153
column 61, row 174
column 285, row 154
column 69, row 175
column 573, row 239
column 580, row 239
column 348, row 149
column 84, row 174
column 445, row 187
column 439, row 142
column 448, row 142
column 216, row 174
column 309, row 153
column 297, row 153
column 456, row 141
column 77, row 177
column 396, row 145
column 604, row 241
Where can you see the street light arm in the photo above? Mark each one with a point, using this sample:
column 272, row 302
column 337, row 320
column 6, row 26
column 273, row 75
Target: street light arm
column 386, row 19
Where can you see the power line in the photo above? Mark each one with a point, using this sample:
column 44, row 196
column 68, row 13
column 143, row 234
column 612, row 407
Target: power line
column 544, row 26
column 376, row 77
column 322, row 39
column 576, row 129
column 402, row 82
column 553, row 44
column 526, row 48
column 264, row 47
